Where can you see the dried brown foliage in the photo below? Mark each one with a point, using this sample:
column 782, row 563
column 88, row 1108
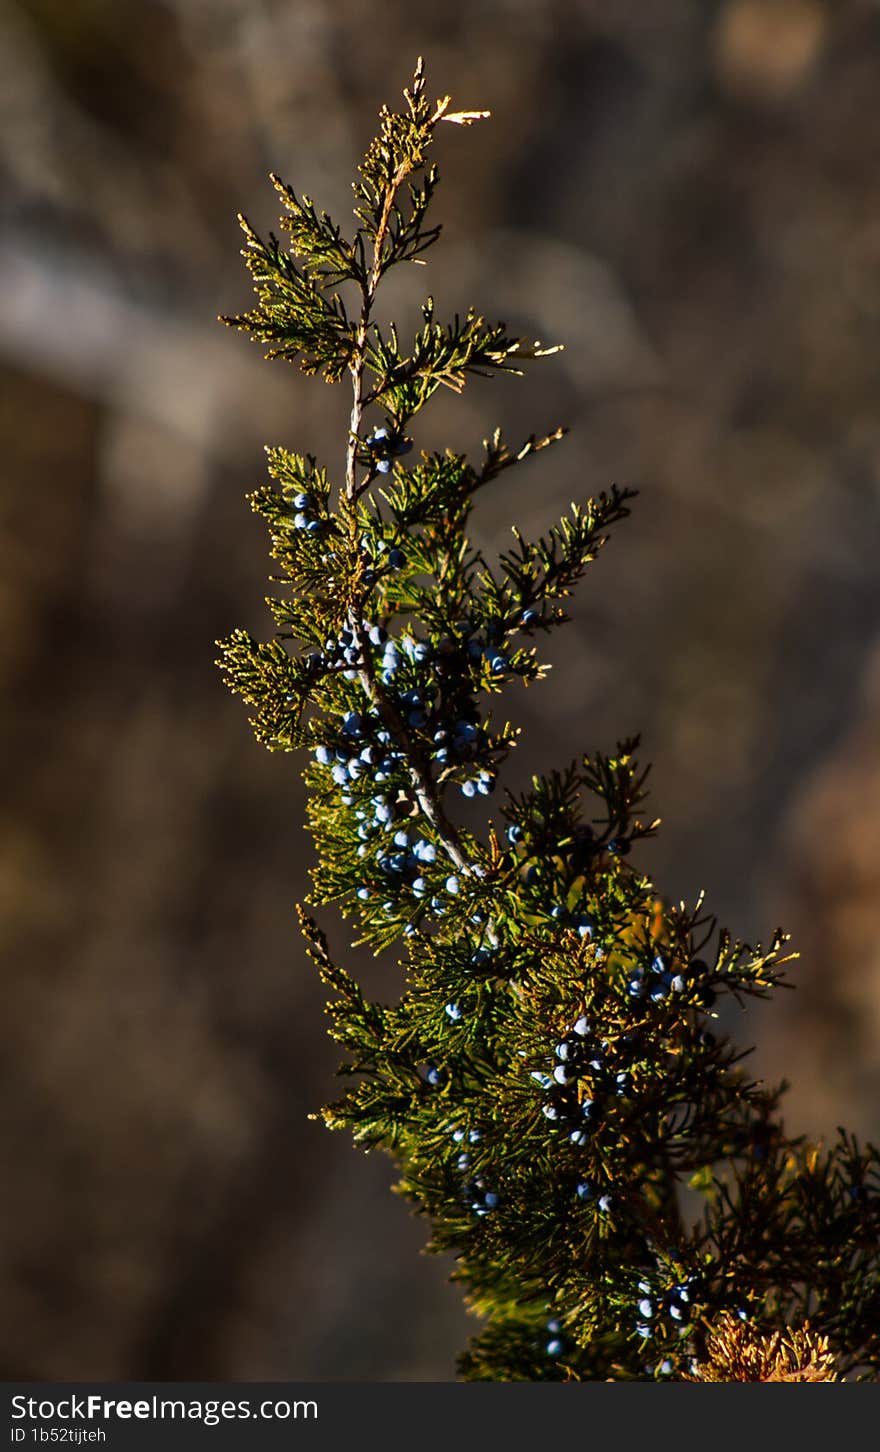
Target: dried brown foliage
column 739, row 1351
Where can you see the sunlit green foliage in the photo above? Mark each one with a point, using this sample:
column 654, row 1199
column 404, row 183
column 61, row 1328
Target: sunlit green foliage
column 550, row 1077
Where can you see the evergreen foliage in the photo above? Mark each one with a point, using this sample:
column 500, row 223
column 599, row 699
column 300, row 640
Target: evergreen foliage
column 585, row 1143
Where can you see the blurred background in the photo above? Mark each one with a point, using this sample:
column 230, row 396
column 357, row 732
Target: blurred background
column 684, row 193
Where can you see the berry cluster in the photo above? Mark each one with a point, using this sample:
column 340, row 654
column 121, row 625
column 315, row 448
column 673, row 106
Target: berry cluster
column 382, row 558
column 436, row 708
column 363, row 761
column 557, row 1343
column 579, row 1066
column 361, row 753
column 477, row 1196
column 672, row 1303
column 582, row 1079
column 383, row 447
column 363, row 756
column 656, row 980
column 406, row 861
column 305, row 516
column 580, row 921
column 481, row 1200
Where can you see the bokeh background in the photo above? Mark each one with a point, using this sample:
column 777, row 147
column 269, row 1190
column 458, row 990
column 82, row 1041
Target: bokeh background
column 683, row 192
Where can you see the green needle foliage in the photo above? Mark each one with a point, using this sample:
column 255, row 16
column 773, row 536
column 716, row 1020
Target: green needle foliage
column 552, row 1085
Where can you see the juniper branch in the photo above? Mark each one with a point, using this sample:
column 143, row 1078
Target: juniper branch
column 551, row 1077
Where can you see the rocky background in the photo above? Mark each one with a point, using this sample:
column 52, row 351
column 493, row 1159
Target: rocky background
column 685, row 193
